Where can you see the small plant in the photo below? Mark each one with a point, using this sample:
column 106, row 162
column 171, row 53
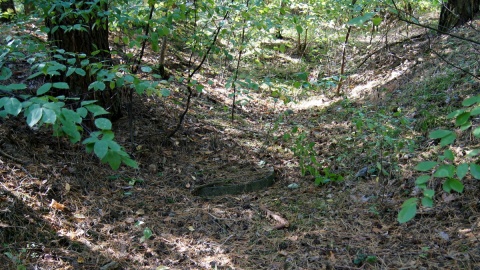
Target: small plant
column 363, row 258
column 17, row 259
column 445, row 167
column 424, row 253
column 304, row 150
column 147, row 233
column 56, row 111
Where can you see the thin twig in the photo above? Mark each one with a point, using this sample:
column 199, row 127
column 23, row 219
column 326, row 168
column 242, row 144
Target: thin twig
column 235, row 76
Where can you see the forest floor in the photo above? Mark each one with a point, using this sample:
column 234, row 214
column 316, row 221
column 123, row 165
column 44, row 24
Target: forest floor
column 60, row 208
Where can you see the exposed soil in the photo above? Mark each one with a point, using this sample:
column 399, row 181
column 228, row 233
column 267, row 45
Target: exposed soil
column 61, row 209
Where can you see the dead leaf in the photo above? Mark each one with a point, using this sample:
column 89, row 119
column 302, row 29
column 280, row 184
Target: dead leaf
column 79, row 216
column 67, row 187
column 129, row 220
column 331, row 256
column 57, row 206
column 448, row 197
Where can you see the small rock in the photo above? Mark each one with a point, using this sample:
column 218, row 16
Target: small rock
column 293, row 186
column 362, row 173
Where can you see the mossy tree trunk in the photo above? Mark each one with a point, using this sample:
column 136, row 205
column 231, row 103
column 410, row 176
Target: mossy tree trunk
column 457, row 12
column 8, row 10
column 82, row 28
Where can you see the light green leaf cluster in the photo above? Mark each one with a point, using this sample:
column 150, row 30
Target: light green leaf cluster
column 43, row 109
column 445, row 167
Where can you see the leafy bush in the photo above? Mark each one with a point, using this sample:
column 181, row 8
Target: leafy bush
column 44, row 109
column 305, row 152
column 445, row 167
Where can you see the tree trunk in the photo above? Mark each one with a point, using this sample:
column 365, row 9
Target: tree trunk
column 457, row 12
column 92, row 41
column 28, row 6
column 8, row 10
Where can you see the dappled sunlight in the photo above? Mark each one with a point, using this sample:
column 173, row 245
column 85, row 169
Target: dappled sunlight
column 289, row 177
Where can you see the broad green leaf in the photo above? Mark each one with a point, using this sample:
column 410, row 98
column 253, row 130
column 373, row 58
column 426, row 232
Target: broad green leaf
column 462, row 119
column 411, row 201
column 422, row 179
column 470, row 101
column 427, row 202
column 71, row 116
column 165, row 92
column 376, row 21
column 449, row 139
column 299, row 29
column 82, row 112
column 113, row 159
column 107, row 135
column 101, row 148
column 44, row 88
column 147, row 233
column 103, row 123
column 90, row 140
column 36, row 74
column 473, row 153
column 16, row 86
column 466, row 126
column 146, row 69
column 114, row 146
column 84, row 62
column 80, row 72
column 87, row 102
column 446, row 186
column 425, row 166
column 408, row 211
column 445, row 170
column 448, row 154
column 455, row 114
column 359, row 21
column 140, row 87
column 70, row 71
column 97, row 85
column 49, row 116
column 455, row 185
column 438, row 134
column 96, row 110
column 34, row 116
column 462, row 170
column 475, row 170
column 475, row 111
column 476, row 132
column 130, row 162
column 429, row 193
column 5, row 73
column 3, row 101
column 72, row 131
column 199, row 88
column 12, row 106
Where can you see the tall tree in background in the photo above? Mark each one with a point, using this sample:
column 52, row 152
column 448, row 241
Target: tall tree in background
column 8, row 10
column 457, row 12
column 28, row 6
column 82, row 27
